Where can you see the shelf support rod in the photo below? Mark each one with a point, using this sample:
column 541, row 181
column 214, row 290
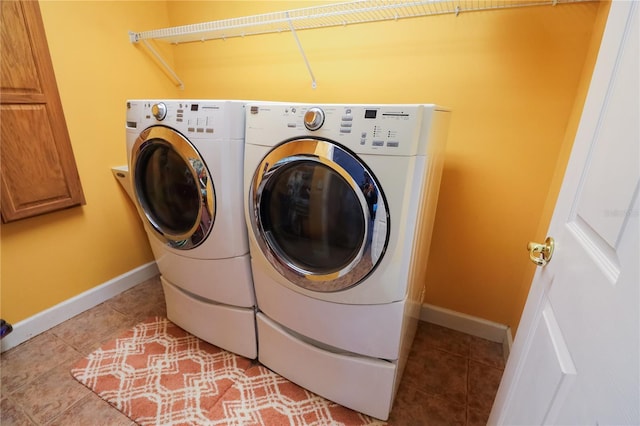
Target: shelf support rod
column 164, row 64
column 133, row 37
column 306, row 61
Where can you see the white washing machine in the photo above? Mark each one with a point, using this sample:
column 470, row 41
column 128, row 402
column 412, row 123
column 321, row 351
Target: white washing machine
column 185, row 161
column 340, row 207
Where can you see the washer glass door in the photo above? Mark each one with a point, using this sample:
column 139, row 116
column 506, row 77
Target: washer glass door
column 173, row 187
column 317, row 209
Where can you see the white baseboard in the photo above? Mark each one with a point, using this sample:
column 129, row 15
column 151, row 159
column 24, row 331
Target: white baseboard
column 43, row 321
column 474, row 326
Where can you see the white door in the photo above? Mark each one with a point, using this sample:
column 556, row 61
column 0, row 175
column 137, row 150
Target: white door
column 575, row 359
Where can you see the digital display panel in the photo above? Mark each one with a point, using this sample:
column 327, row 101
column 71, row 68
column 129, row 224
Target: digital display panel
column 370, row 113
column 194, row 107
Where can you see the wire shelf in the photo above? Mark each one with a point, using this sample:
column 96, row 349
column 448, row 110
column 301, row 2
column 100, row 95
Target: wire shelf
column 337, row 14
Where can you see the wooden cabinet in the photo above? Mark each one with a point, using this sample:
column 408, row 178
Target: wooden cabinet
column 37, row 168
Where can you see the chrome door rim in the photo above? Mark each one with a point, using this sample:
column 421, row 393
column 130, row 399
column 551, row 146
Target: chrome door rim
column 205, row 218
column 322, row 152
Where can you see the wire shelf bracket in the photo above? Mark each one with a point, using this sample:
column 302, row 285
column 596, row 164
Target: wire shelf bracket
column 159, row 58
column 304, row 56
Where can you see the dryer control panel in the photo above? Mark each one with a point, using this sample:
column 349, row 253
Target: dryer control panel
column 193, row 118
column 375, row 129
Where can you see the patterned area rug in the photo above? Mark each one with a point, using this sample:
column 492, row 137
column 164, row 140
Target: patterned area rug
column 158, row 374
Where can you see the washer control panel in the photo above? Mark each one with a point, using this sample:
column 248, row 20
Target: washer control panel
column 388, row 129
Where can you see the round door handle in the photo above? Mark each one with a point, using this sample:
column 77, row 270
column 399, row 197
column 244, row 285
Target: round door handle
column 541, row 254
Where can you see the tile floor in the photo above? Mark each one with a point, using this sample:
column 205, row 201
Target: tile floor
column 451, row 377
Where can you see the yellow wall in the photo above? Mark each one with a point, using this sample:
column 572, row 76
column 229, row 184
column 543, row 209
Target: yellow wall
column 563, row 157
column 51, row 258
column 510, row 77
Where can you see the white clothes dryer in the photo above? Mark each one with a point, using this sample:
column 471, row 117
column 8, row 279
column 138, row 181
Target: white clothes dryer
column 185, row 160
column 340, row 202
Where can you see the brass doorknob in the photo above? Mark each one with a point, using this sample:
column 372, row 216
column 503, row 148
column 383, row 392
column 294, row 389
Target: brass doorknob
column 541, row 254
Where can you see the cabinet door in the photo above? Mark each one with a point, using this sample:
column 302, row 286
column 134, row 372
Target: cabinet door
column 37, row 170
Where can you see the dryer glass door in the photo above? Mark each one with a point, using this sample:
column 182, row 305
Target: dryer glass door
column 173, row 187
column 315, row 208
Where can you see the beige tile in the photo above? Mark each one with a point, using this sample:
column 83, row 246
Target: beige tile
column 483, row 385
column 93, row 411
column 446, row 339
column 438, row 373
column 142, row 301
column 85, row 332
column 12, row 415
column 476, row 417
column 49, row 395
column 413, row 407
column 486, row 352
column 24, row 363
